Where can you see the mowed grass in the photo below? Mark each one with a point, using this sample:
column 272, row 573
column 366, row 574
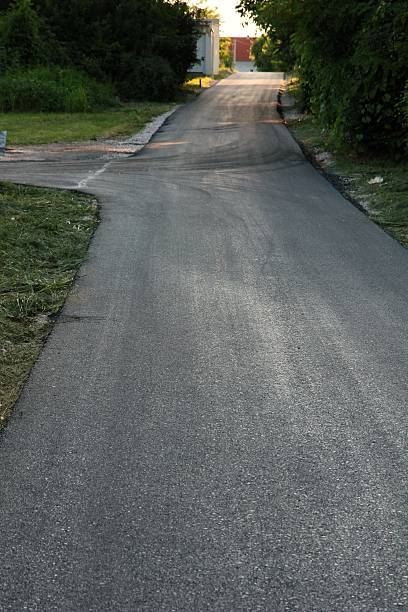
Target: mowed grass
column 45, row 128
column 385, row 201
column 44, row 236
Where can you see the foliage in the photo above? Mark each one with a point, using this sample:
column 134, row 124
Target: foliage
column 203, row 11
column 52, row 90
column 22, row 36
column 267, row 55
column 149, row 42
column 149, row 78
column 226, row 55
column 278, row 19
column 352, row 59
column 115, row 40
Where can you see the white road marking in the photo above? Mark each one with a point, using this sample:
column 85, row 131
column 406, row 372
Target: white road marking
column 92, row 175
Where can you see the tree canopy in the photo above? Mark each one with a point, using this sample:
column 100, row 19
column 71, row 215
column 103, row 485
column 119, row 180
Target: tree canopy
column 352, row 60
column 144, row 47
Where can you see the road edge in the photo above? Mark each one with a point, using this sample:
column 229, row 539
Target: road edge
column 283, row 106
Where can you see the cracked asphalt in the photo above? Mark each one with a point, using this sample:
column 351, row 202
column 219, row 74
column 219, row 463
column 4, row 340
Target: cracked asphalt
column 219, row 418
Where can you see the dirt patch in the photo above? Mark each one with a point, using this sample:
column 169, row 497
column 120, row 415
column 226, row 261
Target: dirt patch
column 105, row 148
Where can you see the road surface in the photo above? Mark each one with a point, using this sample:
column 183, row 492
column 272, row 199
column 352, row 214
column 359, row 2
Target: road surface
column 218, row 421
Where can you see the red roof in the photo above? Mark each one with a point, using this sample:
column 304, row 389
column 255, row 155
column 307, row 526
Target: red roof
column 242, row 48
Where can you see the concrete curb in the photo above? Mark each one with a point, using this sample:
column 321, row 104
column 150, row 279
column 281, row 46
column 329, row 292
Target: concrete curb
column 143, row 138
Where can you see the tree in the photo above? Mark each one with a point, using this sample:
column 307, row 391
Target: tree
column 272, row 53
column 203, row 11
column 144, row 47
column 226, row 54
column 352, row 60
column 23, row 35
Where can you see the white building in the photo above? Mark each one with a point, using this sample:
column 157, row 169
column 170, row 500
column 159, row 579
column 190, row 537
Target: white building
column 208, row 48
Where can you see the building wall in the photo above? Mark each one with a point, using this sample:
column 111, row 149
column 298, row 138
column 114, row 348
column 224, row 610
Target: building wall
column 241, row 53
column 216, row 47
column 245, row 66
column 208, row 48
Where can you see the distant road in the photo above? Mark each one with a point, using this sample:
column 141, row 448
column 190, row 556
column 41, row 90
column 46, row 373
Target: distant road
column 219, row 419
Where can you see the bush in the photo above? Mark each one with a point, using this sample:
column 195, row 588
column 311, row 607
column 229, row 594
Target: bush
column 149, row 78
column 267, row 56
column 130, row 43
column 271, row 53
column 143, row 47
column 53, row 90
column 356, row 76
column 352, row 60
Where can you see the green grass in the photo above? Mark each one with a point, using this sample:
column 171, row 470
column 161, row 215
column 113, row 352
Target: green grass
column 386, row 203
column 224, row 73
column 51, row 89
column 44, row 236
column 193, row 85
column 205, row 82
column 45, row 128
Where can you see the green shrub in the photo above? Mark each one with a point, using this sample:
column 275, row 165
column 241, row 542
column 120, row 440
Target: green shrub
column 111, row 41
column 352, row 61
column 226, row 54
column 138, row 45
column 271, row 53
column 53, row 90
column 149, row 78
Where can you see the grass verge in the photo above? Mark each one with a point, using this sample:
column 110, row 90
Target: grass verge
column 197, row 84
column 378, row 185
column 46, row 128
column 44, row 237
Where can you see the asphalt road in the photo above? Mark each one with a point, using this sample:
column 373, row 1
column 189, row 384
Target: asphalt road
column 218, row 421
